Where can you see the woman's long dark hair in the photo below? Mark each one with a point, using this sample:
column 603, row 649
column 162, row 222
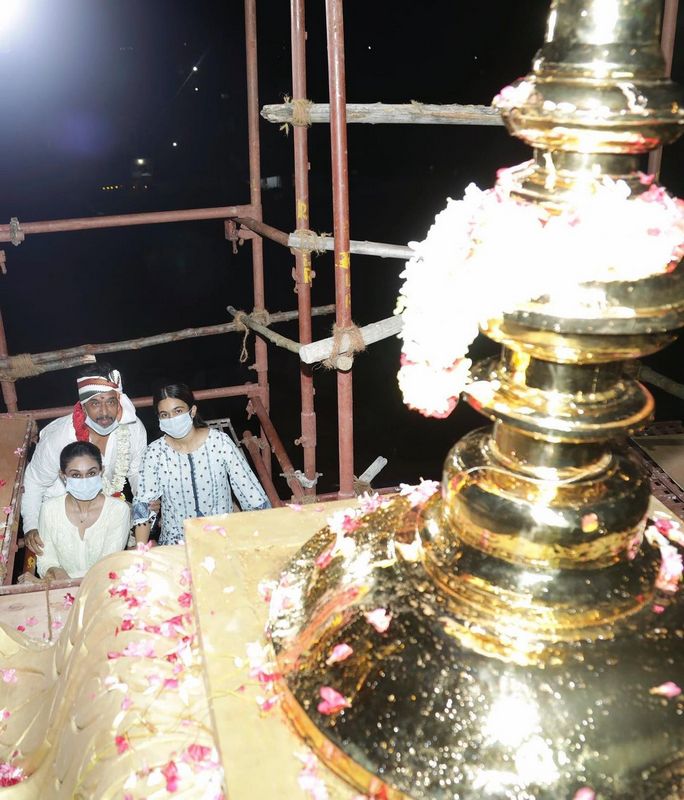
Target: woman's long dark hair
column 179, row 391
column 76, row 450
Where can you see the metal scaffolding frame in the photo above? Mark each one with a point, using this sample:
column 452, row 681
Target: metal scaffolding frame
column 246, row 222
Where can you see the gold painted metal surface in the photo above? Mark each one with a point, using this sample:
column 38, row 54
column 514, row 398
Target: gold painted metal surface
column 258, row 751
column 523, row 640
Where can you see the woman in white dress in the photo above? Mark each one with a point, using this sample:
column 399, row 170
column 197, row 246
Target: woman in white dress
column 192, row 468
column 82, row 526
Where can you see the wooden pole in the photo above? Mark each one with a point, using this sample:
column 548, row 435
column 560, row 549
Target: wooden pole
column 281, row 341
column 413, row 113
column 86, row 351
column 375, row 332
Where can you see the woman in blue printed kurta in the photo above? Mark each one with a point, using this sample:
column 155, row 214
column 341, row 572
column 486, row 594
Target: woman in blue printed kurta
column 192, row 468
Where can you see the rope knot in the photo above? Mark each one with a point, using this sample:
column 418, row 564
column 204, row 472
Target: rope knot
column 346, row 342
column 20, row 366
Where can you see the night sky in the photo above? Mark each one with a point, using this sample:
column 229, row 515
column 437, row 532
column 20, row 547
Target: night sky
column 88, row 86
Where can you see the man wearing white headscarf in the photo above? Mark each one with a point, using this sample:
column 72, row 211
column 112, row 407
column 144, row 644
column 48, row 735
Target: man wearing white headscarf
column 103, row 415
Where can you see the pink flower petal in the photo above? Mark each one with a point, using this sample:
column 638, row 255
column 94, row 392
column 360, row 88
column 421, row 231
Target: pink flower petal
column 332, row 701
column 339, row 653
column 122, row 744
column 9, row 675
column 324, row 558
column 31, row 621
column 585, row 793
column 198, row 752
column 589, row 523
column 267, row 703
column 379, row 618
column 295, row 506
column 668, row 689
column 68, row 600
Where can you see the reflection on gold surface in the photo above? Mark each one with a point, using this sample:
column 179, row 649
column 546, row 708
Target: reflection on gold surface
column 526, row 635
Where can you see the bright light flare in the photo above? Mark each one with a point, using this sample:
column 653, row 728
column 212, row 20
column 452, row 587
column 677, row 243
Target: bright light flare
column 11, row 12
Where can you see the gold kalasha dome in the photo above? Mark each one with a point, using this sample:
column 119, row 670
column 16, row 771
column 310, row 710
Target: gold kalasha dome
column 514, row 636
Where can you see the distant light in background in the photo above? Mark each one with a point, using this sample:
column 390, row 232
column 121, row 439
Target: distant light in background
column 140, row 161
column 174, row 144
column 194, row 69
column 11, row 12
column 197, row 88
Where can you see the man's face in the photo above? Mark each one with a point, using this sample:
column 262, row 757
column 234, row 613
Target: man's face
column 103, row 408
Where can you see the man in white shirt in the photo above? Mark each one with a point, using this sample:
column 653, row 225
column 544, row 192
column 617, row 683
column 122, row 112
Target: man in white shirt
column 105, row 416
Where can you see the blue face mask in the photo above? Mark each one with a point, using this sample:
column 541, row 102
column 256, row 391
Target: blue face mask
column 84, row 488
column 99, row 428
column 177, row 427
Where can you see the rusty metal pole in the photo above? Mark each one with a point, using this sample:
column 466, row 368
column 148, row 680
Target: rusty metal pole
column 303, row 274
column 9, row 390
column 338, row 139
column 260, row 346
column 667, row 43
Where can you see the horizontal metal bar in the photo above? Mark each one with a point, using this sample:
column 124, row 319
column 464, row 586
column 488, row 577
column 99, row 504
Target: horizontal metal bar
column 122, row 221
column 314, row 243
column 248, row 389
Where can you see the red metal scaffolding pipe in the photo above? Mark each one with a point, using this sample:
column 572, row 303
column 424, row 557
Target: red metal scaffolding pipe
column 248, row 389
column 9, row 390
column 303, row 275
column 338, row 138
column 277, row 446
column 260, row 346
column 252, row 445
column 124, row 220
column 667, row 43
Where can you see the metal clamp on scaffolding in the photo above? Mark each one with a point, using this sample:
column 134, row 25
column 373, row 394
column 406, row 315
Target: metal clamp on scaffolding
column 16, row 235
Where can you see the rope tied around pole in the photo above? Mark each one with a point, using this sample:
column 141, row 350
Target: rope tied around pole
column 311, row 241
column 301, row 114
column 21, row 366
column 262, row 317
column 355, row 344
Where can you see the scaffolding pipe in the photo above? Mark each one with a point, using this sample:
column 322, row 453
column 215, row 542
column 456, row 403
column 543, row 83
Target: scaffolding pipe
column 157, row 339
column 303, row 273
column 257, row 407
column 667, row 43
column 384, row 113
column 310, row 241
column 9, row 390
column 120, row 221
column 260, row 347
column 252, row 445
column 248, row 389
column 264, row 230
column 338, row 139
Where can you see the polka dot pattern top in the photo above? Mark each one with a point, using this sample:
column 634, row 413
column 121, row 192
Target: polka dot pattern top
column 196, row 484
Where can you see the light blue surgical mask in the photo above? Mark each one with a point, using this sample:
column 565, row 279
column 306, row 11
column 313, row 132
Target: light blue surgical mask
column 177, row 427
column 84, row 488
column 99, row 428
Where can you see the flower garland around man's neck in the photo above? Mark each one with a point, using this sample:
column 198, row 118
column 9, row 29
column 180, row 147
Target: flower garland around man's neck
column 123, row 450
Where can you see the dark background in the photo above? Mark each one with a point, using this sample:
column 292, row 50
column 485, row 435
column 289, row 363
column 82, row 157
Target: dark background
column 88, row 86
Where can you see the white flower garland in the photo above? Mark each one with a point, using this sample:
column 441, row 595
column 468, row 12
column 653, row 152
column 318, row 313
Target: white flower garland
column 489, row 253
column 122, row 463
